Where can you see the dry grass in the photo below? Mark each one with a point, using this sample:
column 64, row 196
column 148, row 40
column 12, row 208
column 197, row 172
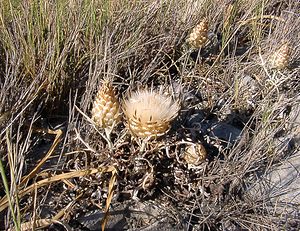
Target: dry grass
column 54, row 56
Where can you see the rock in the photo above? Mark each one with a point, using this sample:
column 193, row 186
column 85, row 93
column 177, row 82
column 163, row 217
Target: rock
column 188, row 96
column 196, row 120
column 133, row 215
column 295, row 119
column 280, row 184
column 225, row 132
column 248, row 91
column 279, row 187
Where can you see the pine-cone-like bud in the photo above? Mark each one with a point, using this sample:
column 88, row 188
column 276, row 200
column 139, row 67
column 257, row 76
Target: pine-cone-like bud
column 149, row 113
column 199, row 36
column 281, row 57
column 195, row 154
column 106, row 107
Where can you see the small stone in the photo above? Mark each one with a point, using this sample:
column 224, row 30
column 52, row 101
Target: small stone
column 280, row 183
column 225, row 132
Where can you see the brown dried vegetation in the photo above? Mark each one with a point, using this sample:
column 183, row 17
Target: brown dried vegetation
column 226, row 117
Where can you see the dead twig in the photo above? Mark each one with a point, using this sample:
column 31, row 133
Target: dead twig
column 244, row 22
column 58, row 134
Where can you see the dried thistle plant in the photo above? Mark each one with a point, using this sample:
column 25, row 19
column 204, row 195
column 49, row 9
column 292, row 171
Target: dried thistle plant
column 149, row 113
column 199, row 35
column 280, row 58
column 106, row 108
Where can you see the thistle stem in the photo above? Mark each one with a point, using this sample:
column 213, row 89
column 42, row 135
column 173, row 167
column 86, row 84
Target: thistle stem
column 143, row 146
column 108, row 139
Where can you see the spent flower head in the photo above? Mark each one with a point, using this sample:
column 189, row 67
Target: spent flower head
column 195, row 154
column 281, row 57
column 106, row 107
column 199, row 35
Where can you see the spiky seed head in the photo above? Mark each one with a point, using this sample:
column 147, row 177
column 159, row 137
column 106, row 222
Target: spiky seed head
column 106, row 107
column 195, row 154
column 199, row 35
column 281, row 57
column 149, row 113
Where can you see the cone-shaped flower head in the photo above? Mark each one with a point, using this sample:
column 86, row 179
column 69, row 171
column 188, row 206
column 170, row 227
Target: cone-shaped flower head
column 281, row 57
column 199, row 35
column 106, row 107
column 149, row 113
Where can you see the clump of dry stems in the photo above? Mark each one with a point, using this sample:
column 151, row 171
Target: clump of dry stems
column 58, row 49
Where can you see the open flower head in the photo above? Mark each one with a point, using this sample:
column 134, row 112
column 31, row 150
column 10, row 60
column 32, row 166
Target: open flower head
column 149, row 113
column 106, row 108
